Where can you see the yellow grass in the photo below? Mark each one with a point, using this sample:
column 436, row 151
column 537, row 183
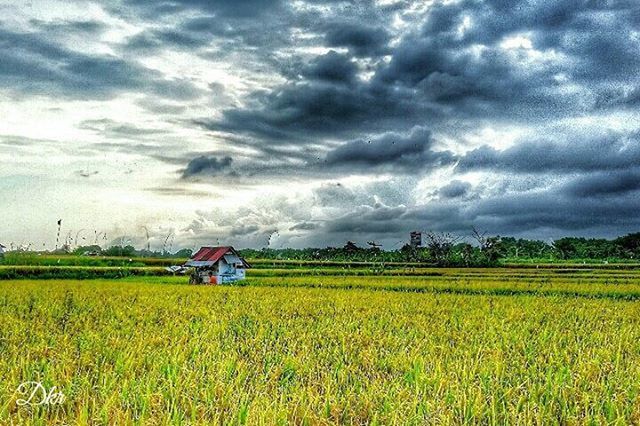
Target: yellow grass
column 303, row 350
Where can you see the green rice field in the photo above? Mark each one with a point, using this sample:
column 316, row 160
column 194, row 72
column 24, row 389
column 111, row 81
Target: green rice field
column 327, row 345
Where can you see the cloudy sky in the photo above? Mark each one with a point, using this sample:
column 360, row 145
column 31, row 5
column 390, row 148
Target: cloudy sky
column 310, row 122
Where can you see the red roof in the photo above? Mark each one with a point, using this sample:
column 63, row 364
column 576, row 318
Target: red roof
column 211, row 254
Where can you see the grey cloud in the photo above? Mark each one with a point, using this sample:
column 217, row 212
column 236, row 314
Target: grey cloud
column 546, row 211
column 454, row 189
column 569, row 153
column 332, row 67
column 349, row 111
column 439, row 77
column 116, row 129
column 437, row 72
column 304, row 226
column 604, row 204
column 82, row 26
column 222, row 8
column 401, row 154
column 212, row 30
column 333, row 194
column 550, row 209
column 604, row 184
column 622, row 97
column 376, row 219
column 361, row 39
column 484, row 83
column 177, row 191
column 412, row 151
column 206, row 166
column 33, row 64
column 160, row 107
column 159, row 39
column 542, row 212
column 391, row 191
column 309, row 110
column 23, row 142
column 244, row 229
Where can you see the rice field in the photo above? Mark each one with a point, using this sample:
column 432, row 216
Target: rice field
column 416, row 346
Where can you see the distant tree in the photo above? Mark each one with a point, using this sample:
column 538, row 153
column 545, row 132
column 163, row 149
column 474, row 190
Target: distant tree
column 91, row 249
column 490, row 247
column 583, row 248
column 629, row 245
column 184, row 253
column 525, row 249
column 466, row 251
column 410, row 253
column 126, row 251
column 565, row 247
column 350, row 246
column 440, row 245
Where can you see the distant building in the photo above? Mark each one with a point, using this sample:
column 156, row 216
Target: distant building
column 2, row 250
column 217, row 265
column 416, row 239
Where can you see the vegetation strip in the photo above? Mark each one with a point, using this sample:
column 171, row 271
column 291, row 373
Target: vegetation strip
column 143, row 350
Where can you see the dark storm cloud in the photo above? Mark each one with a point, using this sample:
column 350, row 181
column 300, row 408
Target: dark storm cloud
column 450, row 72
column 553, row 209
column 376, row 219
column 604, row 184
column 336, row 88
column 360, row 39
column 453, row 66
column 309, row 110
column 324, row 95
column 581, row 204
column 410, row 151
column 394, row 153
column 541, row 213
column 306, row 111
column 33, row 64
column 603, row 203
column 332, row 67
column 206, row 166
column 573, row 152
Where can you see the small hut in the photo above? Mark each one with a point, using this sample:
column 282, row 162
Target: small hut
column 217, row 265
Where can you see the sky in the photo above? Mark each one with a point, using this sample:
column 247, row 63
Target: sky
column 306, row 123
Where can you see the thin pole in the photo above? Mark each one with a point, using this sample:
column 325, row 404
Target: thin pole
column 58, row 234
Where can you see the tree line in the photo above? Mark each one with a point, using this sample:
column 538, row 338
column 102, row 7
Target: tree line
column 478, row 249
column 438, row 248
